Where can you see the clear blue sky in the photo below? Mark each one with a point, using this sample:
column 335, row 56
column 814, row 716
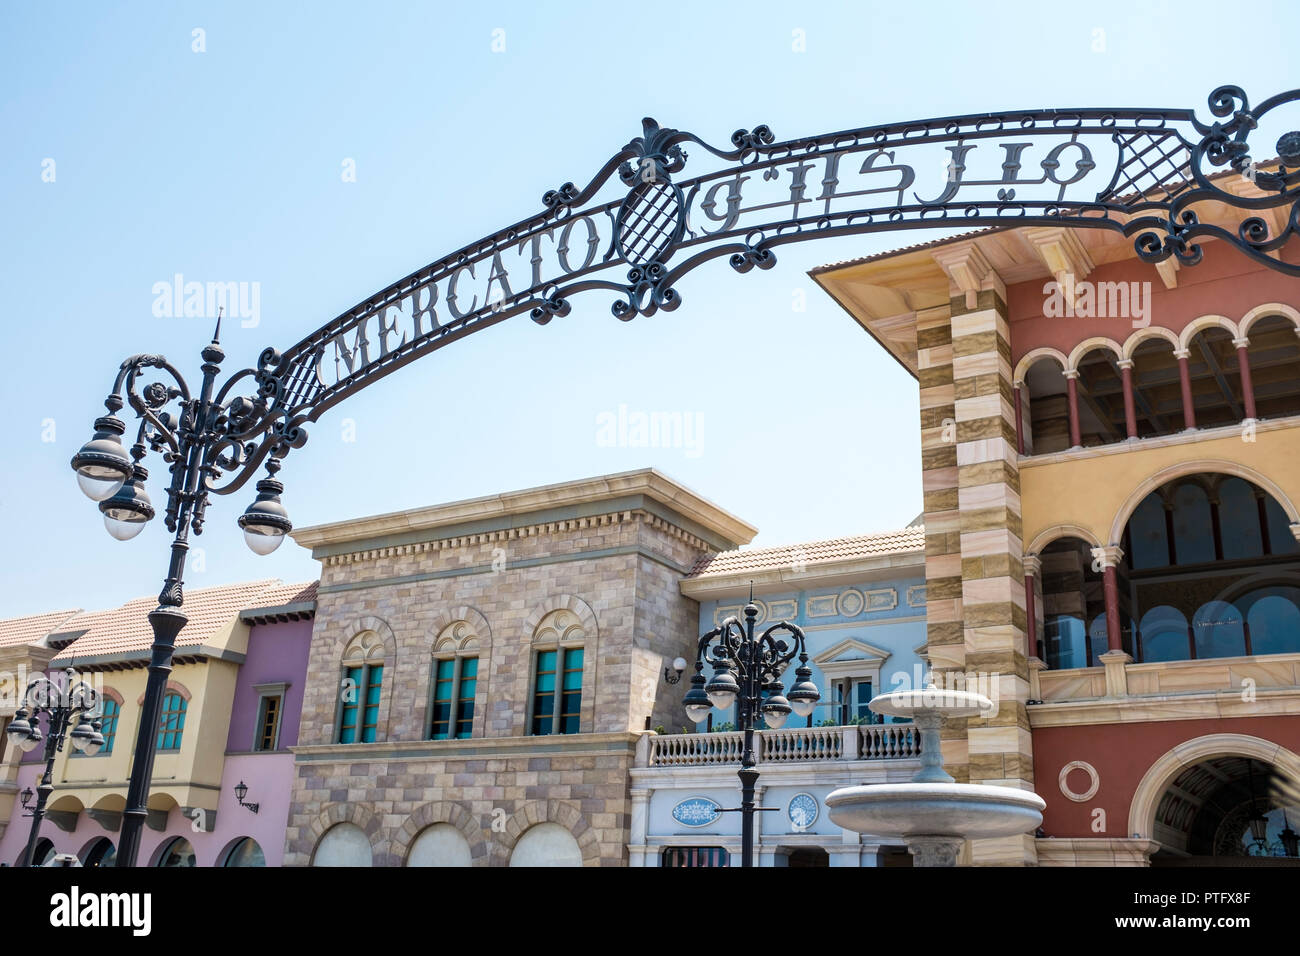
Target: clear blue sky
column 226, row 165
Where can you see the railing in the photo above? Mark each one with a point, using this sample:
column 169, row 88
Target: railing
column 890, row 741
column 861, row 742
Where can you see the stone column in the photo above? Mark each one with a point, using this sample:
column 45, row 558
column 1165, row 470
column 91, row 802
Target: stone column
column 1033, row 569
column 1072, row 394
column 1185, row 380
column 1247, row 387
column 1020, row 429
column 1109, row 558
column 639, row 825
column 992, row 602
column 1130, row 406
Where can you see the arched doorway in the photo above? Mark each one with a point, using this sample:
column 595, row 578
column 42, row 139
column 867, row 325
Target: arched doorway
column 99, row 852
column 1228, row 811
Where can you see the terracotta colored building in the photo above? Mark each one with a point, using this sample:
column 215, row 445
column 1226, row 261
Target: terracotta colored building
column 1109, row 459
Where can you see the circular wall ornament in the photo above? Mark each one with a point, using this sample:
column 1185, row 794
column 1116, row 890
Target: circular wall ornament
column 851, row 602
column 1093, row 786
column 803, row 810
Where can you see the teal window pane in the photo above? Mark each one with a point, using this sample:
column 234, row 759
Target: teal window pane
column 171, row 721
column 465, row 697
column 108, row 724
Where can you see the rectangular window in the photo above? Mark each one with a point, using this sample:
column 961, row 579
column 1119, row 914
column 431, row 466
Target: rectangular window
column 544, row 692
column 571, row 700
column 694, row 856
column 861, row 698
column 444, row 677
column 268, row 724
column 465, row 697
column 171, row 722
column 351, row 697
column 370, row 716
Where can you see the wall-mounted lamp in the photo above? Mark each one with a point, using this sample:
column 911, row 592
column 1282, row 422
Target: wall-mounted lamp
column 26, row 797
column 673, row 674
column 241, row 791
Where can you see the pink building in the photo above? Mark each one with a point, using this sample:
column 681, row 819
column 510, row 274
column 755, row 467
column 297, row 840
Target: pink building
column 230, row 715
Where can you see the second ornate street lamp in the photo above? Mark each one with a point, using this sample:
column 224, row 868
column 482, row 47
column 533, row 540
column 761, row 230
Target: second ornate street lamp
column 207, row 435
column 745, row 667
column 60, row 705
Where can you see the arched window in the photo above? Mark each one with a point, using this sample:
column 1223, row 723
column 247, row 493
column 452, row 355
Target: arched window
column 171, row 722
column 1274, row 356
column 439, row 845
column 43, row 853
column 1273, row 616
column 109, row 712
column 245, row 852
column 1046, row 421
column 1157, row 388
column 1163, row 635
column 557, row 674
column 99, row 853
column 363, row 677
column 177, row 853
column 1218, row 630
column 546, row 844
column 344, row 844
column 454, row 683
column 1101, row 398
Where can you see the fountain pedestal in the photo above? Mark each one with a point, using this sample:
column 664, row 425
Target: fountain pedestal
column 933, row 815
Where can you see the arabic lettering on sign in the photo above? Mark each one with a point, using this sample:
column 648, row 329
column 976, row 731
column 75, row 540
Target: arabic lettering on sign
column 696, row 812
column 523, row 266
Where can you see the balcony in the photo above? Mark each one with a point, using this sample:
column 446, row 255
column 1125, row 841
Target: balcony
column 795, row 746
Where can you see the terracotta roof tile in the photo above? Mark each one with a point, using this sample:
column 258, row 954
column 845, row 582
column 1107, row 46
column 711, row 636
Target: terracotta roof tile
column 811, row 553
column 125, row 629
column 302, row 593
column 32, row 629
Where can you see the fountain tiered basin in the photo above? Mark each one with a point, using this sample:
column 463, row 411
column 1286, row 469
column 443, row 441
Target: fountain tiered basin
column 933, row 815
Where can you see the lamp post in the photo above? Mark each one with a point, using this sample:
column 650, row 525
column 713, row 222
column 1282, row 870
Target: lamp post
column 744, row 667
column 60, row 706
column 208, row 434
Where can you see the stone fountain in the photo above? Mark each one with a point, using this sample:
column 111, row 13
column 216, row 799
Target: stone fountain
column 933, row 815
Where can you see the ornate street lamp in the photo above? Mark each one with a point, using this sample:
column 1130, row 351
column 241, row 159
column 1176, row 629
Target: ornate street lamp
column 1290, row 839
column 60, row 705
column 744, row 668
column 241, row 791
column 206, row 436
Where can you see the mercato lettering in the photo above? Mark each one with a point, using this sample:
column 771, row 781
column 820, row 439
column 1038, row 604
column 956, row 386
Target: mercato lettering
column 77, row 909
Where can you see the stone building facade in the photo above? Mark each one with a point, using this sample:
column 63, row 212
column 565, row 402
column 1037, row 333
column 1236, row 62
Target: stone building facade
column 395, row 767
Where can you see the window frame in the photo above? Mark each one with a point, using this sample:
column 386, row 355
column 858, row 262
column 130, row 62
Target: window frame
column 454, row 700
column 561, row 649
column 366, row 652
column 179, row 732
column 264, row 693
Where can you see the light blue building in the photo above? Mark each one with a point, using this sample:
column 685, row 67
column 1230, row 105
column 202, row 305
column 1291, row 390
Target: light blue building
column 861, row 604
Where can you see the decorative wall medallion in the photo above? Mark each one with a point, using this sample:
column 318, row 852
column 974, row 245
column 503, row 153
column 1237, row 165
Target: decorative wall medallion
column 696, row 812
column 1093, row 785
column 851, row 602
column 916, row 595
column 822, row 605
column 803, row 811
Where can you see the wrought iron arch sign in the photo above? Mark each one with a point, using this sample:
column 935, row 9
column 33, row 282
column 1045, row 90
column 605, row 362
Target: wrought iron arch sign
column 765, row 194
column 633, row 231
